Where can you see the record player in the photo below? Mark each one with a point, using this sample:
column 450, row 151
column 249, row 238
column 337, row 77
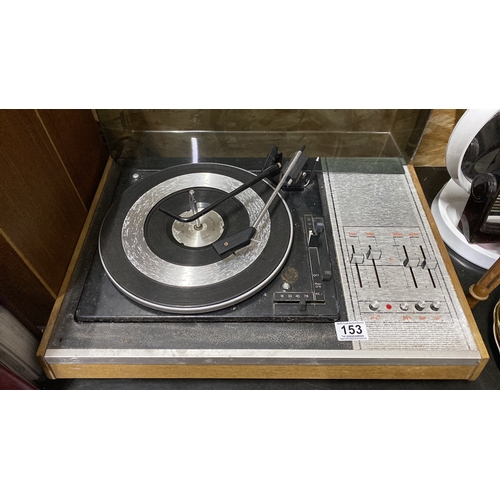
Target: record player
column 282, row 266
column 210, row 241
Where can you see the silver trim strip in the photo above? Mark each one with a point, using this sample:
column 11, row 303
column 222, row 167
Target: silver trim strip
column 257, row 356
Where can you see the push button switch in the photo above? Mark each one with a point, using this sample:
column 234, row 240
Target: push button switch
column 420, row 305
column 436, row 305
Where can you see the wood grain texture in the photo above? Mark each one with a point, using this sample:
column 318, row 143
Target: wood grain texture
column 264, row 372
column 321, row 130
column 482, row 289
column 257, row 145
column 21, row 285
column 454, row 278
column 431, row 151
column 285, row 120
column 407, row 129
column 75, row 136
column 69, row 272
column 41, row 211
column 51, row 162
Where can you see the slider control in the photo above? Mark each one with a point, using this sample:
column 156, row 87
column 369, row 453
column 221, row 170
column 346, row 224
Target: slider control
column 429, row 264
column 374, row 254
column 411, row 261
column 314, row 235
column 357, row 258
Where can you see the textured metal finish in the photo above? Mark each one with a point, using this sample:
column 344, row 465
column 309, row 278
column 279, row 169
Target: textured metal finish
column 383, row 211
column 253, row 356
column 201, row 232
column 148, row 263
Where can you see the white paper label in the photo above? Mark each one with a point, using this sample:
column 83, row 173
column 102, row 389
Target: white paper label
column 351, row 330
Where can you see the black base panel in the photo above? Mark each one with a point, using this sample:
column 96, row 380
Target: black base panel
column 101, row 301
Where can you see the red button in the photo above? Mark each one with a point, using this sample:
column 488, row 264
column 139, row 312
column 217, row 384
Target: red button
column 388, row 306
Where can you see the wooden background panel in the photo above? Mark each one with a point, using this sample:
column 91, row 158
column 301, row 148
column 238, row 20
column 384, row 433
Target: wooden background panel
column 289, row 120
column 405, row 126
column 76, row 138
column 22, row 286
column 256, row 145
column 41, row 210
column 431, row 151
column 50, row 162
column 407, row 129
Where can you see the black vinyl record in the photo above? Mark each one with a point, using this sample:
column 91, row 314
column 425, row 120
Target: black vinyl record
column 171, row 266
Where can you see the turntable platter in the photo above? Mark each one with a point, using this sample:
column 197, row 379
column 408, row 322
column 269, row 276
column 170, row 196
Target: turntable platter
column 169, row 265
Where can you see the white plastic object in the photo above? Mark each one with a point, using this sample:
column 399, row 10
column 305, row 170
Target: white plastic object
column 448, row 205
column 447, row 208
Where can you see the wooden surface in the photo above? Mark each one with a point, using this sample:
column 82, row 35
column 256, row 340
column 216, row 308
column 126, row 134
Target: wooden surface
column 69, row 272
column 49, row 160
column 265, row 372
column 482, row 289
column 21, row 284
column 451, row 271
column 79, row 153
column 326, row 132
column 431, row 151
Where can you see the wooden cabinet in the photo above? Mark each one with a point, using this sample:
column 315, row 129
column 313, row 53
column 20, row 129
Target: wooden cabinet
column 50, row 164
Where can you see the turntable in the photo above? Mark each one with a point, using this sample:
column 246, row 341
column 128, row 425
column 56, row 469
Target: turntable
column 260, row 268
column 201, row 237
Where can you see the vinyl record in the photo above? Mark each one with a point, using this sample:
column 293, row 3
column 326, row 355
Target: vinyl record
column 170, row 265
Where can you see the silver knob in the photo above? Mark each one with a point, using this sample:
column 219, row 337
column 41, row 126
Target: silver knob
column 436, row 305
column 404, row 306
column 374, row 305
column 420, row 305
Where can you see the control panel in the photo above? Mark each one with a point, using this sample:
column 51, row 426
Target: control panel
column 393, row 276
column 394, row 273
column 319, row 266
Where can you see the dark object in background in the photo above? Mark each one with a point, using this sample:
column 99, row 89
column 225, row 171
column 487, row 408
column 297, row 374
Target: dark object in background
column 480, row 220
column 10, row 381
